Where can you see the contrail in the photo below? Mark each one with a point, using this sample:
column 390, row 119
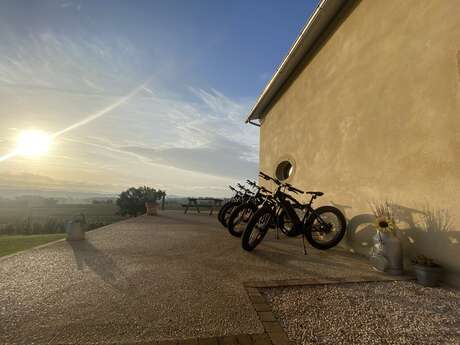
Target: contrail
column 103, row 111
column 90, row 118
column 8, row 156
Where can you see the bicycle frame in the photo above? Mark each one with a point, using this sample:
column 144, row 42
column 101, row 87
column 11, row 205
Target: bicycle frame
column 279, row 200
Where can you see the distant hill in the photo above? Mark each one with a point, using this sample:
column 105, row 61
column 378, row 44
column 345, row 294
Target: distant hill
column 59, row 194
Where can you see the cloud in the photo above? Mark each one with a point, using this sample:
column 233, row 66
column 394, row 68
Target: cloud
column 187, row 139
column 27, row 181
column 49, row 61
column 220, row 157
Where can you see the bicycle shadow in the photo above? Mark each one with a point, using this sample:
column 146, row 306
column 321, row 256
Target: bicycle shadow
column 427, row 231
column 287, row 258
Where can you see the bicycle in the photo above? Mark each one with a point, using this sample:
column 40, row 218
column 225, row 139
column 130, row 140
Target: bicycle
column 316, row 225
column 237, row 194
column 239, row 198
column 242, row 213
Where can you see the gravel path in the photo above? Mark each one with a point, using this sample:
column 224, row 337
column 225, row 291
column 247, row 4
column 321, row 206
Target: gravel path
column 368, row 313
column 150, row 278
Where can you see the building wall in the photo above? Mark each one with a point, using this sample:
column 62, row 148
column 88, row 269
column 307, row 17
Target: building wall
column 373, row 114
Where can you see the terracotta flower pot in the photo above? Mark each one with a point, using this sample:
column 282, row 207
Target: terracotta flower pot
column 151, row 208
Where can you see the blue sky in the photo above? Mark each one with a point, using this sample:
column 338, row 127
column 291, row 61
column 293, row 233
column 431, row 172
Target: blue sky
column 205, row 61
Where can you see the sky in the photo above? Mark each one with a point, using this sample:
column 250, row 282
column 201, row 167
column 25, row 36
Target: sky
column 192, row 71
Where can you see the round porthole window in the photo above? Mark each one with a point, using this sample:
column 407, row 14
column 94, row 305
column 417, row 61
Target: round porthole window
column 284, row 170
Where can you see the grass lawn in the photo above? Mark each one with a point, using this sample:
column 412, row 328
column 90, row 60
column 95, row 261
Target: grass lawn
column 16, row 243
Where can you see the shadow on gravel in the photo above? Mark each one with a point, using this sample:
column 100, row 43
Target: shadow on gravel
column 86, row 254
column 313, row 256
column 286, row 261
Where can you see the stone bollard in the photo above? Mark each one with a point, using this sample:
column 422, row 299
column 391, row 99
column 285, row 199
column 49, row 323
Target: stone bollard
column 75, row 231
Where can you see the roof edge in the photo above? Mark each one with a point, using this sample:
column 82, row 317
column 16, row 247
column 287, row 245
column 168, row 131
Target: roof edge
column 314, row 27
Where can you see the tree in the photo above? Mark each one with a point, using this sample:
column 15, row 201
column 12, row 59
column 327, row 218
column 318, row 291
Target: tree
column 162, row 196
column 132, row 201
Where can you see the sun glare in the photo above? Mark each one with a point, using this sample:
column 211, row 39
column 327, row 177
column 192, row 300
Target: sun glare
column 33, row 143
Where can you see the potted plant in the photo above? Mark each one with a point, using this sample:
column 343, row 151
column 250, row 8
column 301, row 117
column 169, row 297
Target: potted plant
column 428, row 272
column 386, row 253
column 75, row 228
column 151, row 202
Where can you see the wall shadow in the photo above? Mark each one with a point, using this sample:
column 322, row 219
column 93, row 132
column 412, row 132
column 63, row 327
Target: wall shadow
column 426, row 231
column 429, row 232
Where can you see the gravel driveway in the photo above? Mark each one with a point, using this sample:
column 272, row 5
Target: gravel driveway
column 150, row 278
column 368, row 313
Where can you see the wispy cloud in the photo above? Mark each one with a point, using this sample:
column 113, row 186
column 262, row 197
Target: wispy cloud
column 188, row 139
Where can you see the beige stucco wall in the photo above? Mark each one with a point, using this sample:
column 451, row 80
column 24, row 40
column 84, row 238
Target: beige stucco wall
column 374, row 114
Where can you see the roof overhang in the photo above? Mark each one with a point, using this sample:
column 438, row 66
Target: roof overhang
column 316, row 24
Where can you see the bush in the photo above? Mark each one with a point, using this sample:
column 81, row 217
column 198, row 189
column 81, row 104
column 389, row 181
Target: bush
column 132, row 201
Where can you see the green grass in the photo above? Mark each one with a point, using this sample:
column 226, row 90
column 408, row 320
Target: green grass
column 16, row 243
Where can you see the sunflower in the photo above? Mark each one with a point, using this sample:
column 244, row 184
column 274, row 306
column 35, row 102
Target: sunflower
column 385, row 224
column 382, row 222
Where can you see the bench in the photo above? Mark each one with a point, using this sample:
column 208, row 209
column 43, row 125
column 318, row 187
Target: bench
column 203, row 203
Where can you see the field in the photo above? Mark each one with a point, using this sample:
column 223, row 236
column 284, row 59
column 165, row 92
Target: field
column 10, row 244
column 26, row 227
column 46, row 220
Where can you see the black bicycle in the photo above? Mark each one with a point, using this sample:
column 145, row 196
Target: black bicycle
column 236, row 196
column 241, row 214
column 239, row 198
column 323, row 227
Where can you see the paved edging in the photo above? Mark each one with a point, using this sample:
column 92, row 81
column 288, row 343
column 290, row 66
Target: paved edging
column 272, row 327
column 322, row 281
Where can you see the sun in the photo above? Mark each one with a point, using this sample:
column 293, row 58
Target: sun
column 33, row 143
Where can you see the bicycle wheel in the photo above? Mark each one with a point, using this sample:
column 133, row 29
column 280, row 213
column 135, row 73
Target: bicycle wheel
column 257, row 228
column 326, row 227
column 239, row 218
column 226, row 210
column 221, row 211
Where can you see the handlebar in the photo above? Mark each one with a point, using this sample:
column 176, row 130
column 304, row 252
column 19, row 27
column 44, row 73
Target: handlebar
column 279, row 183
column 266, row 177
column 293, row 189
column 251, row 183
column 244, row 189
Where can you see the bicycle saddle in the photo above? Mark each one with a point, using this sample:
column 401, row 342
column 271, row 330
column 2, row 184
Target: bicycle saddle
column 315, row 193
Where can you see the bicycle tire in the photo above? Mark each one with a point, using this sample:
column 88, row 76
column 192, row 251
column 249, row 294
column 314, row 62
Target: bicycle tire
column 246, row 242
column 235, row 219
column 340, row 233
column 226, row 213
